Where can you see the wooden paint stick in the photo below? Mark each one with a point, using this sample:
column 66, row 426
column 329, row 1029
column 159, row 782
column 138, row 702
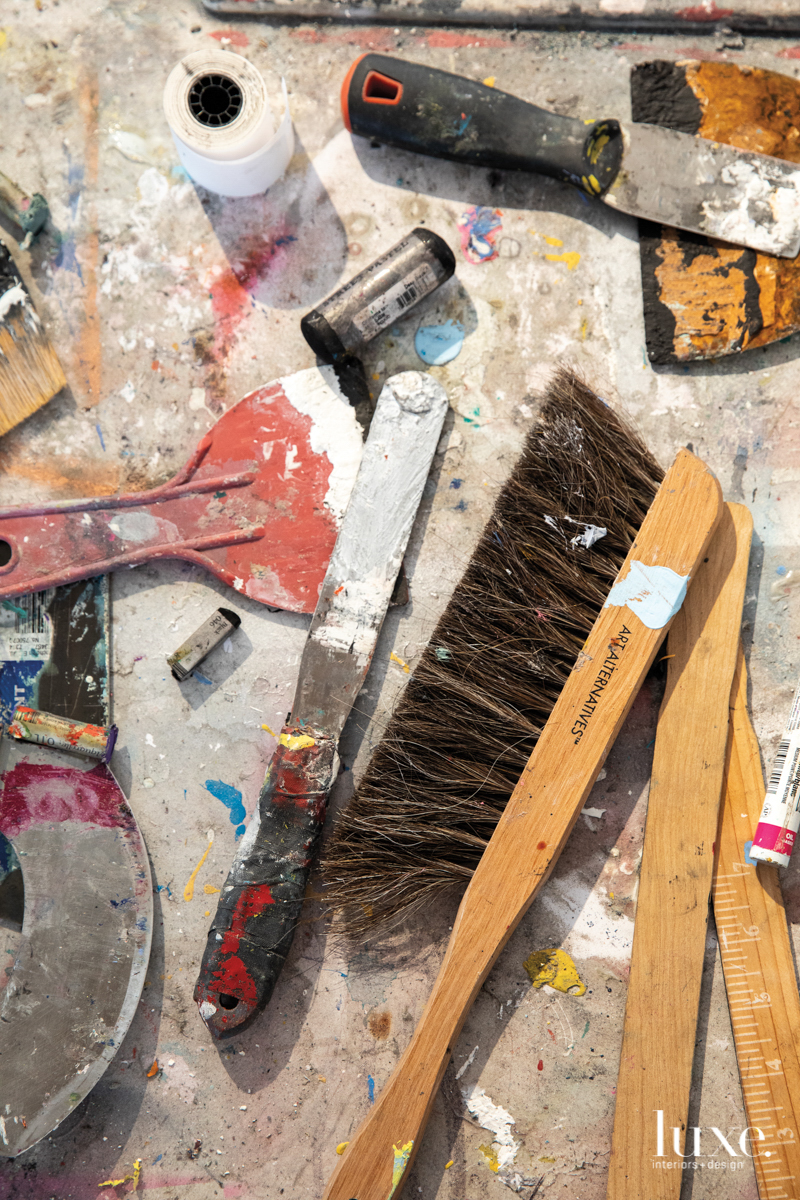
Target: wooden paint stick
column 662, row 1008
column 758, row 965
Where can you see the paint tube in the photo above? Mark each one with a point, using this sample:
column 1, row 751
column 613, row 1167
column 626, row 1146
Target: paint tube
column 219, row 115
column 780, row 815
column 220, row 625
column 59, row 733
column 386, row 290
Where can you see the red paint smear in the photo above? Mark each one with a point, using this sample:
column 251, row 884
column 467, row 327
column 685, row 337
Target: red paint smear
column 540, row 1065
column 552, row 1035
column 231, row 976
column 366, row 39
column 790, row 52
column 234, row 36
column 231, row 292
column 444, row 39
column 631, row 46
column 40, row 795
column 704, row 12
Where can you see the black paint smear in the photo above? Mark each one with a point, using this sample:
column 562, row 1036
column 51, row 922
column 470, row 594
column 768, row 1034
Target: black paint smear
column 79, row 613
column 660, row 95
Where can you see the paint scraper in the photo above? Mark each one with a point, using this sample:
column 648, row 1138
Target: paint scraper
column 645, row 170
column 261, row 900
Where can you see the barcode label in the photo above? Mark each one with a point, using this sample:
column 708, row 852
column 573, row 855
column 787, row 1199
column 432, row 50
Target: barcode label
column 777, row 768
column 26, row 631
column 376, row 316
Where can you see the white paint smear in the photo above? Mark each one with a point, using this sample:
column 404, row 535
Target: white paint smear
column 653, row 593
column 767, row 213
column 14, row 295
column 592, row 812
column 468, row 1063
column 494, row 1118
column 590, row 535
column 587, row 928
column 335, row 432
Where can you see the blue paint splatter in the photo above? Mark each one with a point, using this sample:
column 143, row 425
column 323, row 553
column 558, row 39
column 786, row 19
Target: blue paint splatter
column 461, row 506
column 15, row 608
column 371, row 1087
column 456, row 483
column 778, row 571
column 100, row 435
column 202, row 678
column 461, row 126
column 439, row 344
column 478, row 228
column 164, row 887
column 748, row 846
column 157, row 1160
column 231, row 797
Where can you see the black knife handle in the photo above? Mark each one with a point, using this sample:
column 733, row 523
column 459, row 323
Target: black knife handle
column 433, row 112
column 258, row 910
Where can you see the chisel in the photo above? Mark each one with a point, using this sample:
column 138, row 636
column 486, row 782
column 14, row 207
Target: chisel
column 644, row 170
column 261, row 900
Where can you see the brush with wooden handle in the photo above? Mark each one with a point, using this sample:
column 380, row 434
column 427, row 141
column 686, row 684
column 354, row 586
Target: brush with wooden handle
column 675, row 880
column 30, row 373
column 540, row 814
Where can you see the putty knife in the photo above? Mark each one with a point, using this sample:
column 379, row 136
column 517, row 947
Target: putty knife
column 647, row 171
column 259, row 504
column 260, row 903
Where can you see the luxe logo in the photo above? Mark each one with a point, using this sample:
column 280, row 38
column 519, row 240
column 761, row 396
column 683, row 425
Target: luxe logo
column 749, row 1134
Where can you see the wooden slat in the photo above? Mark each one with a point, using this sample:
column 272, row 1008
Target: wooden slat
column 758, row 967
column 676, row 873
column 532, row 831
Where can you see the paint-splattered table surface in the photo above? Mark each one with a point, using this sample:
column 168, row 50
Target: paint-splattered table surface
column 167, row 305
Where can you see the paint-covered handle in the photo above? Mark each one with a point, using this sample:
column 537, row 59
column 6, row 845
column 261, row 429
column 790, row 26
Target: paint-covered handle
column 433, row 112
column 261, row 900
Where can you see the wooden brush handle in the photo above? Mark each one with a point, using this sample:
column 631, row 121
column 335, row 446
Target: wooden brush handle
column 539, row 816
column 657, row 1053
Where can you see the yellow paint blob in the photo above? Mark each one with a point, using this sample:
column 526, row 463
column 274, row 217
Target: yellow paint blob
column 397, row 659
column 546, row 1158
column 555, row 968
column 188, row 891
column 401, row 1157
column 489, row 81
column 490, row 1154
column 340, row 1149
column 209, row 889
column 584, row 327
column 137, row 1170
column 448, row 1165
column 553, row 241
column 296, row 741
column 3, row 39
column 570, row 257
column 268, row 730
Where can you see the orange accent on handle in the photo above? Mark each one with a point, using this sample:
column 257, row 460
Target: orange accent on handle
column 345, row 93
column 381, row 89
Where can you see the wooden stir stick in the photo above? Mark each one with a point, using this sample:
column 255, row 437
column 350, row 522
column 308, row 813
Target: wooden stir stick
column 539, row 816
column 676, row 874
column 758, row 967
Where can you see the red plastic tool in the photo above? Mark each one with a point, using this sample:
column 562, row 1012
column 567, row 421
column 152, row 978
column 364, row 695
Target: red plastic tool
column 255, row 505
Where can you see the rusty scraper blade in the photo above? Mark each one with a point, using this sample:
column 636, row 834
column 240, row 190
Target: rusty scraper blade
column 259, row 504
column 705, row 298
column 68, row 995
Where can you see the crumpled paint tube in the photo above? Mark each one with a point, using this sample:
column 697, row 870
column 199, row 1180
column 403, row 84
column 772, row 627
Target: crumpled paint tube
column 59, row 733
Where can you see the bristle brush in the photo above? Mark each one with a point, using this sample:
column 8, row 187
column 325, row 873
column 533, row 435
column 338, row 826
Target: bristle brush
column 536, row 822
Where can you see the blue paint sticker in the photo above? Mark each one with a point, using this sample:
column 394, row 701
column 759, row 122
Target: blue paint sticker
column 748, row 846
column 439, row 344
column 653, row 593
column 371, row 1088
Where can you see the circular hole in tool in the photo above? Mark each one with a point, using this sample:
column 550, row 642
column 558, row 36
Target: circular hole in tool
column 6, row 550
column 226, row 1001
column 215, row 100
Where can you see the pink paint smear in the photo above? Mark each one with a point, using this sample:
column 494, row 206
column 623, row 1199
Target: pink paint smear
column 42, row 795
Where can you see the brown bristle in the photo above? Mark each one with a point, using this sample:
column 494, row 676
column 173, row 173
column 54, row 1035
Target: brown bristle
column 470, row 716
column 30, row 373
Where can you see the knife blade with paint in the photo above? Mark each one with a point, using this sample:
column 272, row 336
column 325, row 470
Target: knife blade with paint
column 261, row 900
column 644, row 170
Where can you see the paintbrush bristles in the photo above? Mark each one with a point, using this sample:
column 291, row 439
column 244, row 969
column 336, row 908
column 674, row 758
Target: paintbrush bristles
column 471, row 714
column 30, row 373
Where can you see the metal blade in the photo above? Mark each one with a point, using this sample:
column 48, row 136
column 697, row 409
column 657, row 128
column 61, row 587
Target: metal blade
column 369, row 550
column 705, row 187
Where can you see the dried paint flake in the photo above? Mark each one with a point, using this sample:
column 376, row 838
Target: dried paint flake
column 479, row 227
column 491, row 1116
column 340, row 1149
column 555, row 968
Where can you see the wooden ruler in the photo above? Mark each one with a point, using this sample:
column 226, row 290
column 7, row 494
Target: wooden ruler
column 758, row 967
column 662, row 1007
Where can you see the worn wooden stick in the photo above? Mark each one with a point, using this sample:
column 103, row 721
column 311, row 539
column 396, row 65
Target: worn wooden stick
column 759, row 968
column 676, row 874
column 539, row 816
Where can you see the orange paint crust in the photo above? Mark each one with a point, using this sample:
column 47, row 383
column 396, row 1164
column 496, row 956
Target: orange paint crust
column 89, row 351
column 751, row 109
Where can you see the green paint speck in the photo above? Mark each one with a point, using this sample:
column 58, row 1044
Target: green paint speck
column 585, row 1030
column 220, row 495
